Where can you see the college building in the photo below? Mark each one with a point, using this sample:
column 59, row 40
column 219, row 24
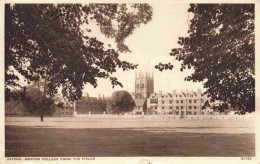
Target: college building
column 186, row 102
column 93, row 105
column 144, row 87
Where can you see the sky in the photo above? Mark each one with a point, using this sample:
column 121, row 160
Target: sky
column 151, row 44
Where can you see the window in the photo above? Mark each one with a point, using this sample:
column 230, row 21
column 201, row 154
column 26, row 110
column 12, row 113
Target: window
column 182, row 107
column 180, row 95
column 162, row 102
column 181, row 101
column 177, row 101
column 170, row 101
column 190, row 101
column 162, row 96
column 189, row 107
column 177, row 107
column 195, row 113
column 191, row 95
column 162, row 107
column 195, row 101
column 153, row 101
column 155, row 107
column 195, row 107
column 170, row 107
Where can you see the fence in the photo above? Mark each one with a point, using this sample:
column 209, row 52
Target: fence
column 164, row 116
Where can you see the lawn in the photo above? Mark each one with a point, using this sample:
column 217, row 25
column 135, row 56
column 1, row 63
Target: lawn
column 60, row 142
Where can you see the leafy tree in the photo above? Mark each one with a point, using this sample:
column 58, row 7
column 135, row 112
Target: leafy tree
column 60, row 105
column 221, row 50
column 206, row 105
column 36, row 102
column 120, row 102
column 47, row 41
column 39, row 105
column 16, row 108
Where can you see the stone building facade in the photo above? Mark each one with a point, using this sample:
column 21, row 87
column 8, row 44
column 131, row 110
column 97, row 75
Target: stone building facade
column 92, row 105
column 179, row 103
column 144, row 87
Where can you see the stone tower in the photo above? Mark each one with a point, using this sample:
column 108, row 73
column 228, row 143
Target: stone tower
column 144, row 85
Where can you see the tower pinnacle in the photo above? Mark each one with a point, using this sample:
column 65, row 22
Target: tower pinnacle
column 144, row 85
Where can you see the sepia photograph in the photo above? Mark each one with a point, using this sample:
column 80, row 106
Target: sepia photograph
column 83, row 81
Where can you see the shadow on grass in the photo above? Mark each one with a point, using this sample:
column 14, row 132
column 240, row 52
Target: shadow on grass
column 60, row 142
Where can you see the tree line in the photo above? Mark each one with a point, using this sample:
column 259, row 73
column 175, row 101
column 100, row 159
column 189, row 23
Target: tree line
column 46, row 41
column 35, row 104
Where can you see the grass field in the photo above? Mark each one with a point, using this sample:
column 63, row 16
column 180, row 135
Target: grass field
column 62, row 142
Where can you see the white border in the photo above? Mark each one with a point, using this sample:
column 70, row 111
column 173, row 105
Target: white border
column 218, row 160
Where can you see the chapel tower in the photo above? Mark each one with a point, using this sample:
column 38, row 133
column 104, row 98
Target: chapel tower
column 144, row 85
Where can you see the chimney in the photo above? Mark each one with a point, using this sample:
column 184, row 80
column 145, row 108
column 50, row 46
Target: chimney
column 160, row 93
column 174, row 92
column 199, row 92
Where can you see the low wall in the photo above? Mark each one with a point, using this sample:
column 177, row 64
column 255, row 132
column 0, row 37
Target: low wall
column 165, row 116
column 221, row 117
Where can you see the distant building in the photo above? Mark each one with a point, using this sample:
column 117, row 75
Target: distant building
column 93, row 105
column 182, row 103
column 144, row 87
column 140, row 106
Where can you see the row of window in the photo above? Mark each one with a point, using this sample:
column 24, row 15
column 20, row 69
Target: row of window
column 177, row 107
column 153, row 101
column 181, row 101
column 142, row 86
column 177, row 96
column 86, row 104
column 172, row 96
column 177, row 113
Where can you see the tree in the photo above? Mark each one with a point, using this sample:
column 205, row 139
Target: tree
column 15, row 108
column 120, row 101
column 47, row 41
column 33, row 101
column 36, row 102
column 221, row 50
